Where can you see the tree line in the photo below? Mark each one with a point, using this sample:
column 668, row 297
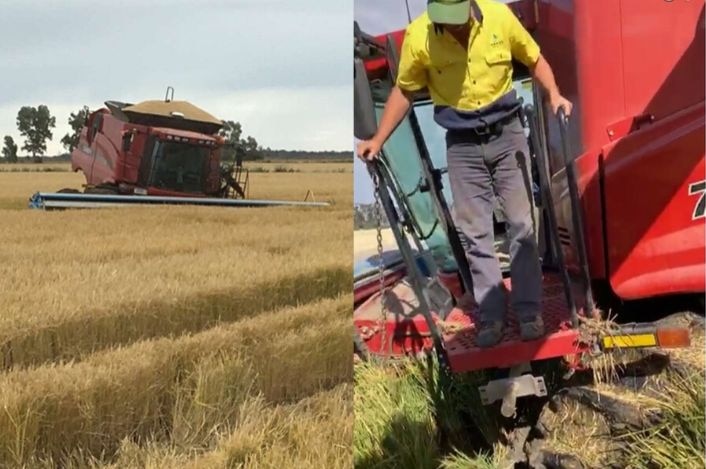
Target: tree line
column 307, row 155
column 35, row 124
column 237, row 146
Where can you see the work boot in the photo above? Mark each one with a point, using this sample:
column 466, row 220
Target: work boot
column 489, row 333
column 531, row 327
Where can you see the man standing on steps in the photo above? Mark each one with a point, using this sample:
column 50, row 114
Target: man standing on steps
column 462, row 51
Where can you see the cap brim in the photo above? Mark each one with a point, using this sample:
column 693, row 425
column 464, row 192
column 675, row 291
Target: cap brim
column 458, row 13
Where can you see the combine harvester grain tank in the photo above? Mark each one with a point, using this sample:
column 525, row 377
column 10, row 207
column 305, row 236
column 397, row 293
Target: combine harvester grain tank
column 154, row 153
column 620, row 194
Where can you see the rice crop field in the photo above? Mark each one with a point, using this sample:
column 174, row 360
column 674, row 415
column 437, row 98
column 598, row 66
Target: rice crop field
column 25, row 167
column 275, row 166
column 167, row 337
column 267, row 180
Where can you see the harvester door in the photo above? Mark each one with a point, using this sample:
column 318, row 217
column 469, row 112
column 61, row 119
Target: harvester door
column 146, row 162
column 93, row 131
column 393, row 203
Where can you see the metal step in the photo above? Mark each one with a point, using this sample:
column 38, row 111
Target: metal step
column 560, row 339
column 406, row 331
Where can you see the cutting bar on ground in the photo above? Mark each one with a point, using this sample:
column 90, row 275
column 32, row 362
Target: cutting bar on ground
column 48, row 201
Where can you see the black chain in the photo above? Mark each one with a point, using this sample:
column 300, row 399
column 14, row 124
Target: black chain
column 381, row 265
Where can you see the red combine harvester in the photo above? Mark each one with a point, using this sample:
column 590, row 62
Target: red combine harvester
column 165, row 152
column 620, row 195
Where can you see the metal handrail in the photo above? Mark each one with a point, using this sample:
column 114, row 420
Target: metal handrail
column 546, row 194
column 388, row 195
column 576, row 212
column 377, row 169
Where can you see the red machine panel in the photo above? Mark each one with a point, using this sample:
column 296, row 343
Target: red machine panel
column 655, row 232
column 635, row 71
column 663, row 55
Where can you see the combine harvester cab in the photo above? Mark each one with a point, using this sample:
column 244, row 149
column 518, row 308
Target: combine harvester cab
column 577, row 165
column 162, row 148
column 154, row 152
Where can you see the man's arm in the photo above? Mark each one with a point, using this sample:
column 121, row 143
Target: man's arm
column 525, row 49
column 396, row 107
column 542, row 74
column 411, row 77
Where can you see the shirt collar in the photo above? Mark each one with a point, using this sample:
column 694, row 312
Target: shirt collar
column 476, row 12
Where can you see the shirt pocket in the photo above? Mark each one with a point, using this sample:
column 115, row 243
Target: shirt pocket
column 498, row 69
column 498, row 58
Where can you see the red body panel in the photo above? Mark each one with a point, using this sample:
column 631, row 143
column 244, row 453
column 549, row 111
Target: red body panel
column 102, row 161
column 368, row 287
column 81, row 156
column 656, row 246
column 637, row 82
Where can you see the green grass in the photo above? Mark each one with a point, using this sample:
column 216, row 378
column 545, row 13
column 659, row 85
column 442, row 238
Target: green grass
column 408, row 414
column 459, row 460
column 395, row 424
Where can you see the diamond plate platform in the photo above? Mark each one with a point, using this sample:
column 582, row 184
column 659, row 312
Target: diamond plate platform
column 560, row 339
column 405, row 331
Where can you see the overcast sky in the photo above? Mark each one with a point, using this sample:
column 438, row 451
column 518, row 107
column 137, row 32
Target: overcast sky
column 281, row 68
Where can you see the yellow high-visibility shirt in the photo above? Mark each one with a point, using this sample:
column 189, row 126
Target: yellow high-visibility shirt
column 466, row 79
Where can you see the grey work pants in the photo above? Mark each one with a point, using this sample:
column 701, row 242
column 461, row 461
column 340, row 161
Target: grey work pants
column 480, row 169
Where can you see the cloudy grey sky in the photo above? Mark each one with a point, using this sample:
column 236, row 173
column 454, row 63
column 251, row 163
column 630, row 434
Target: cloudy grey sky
column 281, row 68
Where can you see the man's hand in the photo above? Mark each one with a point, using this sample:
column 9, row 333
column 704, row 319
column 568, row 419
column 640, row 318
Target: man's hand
column 557, row 101
column 397, row 105
column 542, row 72
column 369, row 150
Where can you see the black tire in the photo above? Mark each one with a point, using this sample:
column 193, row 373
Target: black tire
column 102, row 189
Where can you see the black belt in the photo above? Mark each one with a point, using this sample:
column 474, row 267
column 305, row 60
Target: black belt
column 486, row 130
